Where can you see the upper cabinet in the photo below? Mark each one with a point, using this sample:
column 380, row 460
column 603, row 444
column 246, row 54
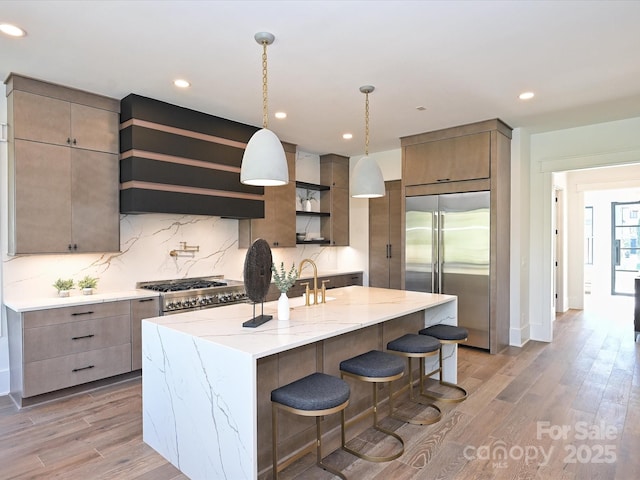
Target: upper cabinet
column 278, row 227
column 63, row 169
column 334, row 172
column 448, row 160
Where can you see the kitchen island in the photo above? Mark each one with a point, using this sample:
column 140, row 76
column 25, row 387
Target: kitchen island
column 206, row 380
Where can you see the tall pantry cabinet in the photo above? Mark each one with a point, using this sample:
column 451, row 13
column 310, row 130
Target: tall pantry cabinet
column 63, row 169
column 385, row 239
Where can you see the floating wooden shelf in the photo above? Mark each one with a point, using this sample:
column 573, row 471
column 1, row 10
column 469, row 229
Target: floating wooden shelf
column 313, row 242
column 312, row 186
column 312, row 214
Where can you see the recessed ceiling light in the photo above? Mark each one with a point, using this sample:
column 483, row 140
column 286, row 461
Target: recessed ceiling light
column 181, row 83
column 526, row 96
column 421, row 108
column 12, row 30
column 280, row 115
column 347, row 136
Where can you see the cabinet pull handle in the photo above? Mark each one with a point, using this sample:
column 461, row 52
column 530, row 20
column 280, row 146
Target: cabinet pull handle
column 75, row 246
column 75, row 142
column 82, row 313
column 147, row 300
column 70, row 247
column 443, row 180
column 68, row 141
column 389, row 251
column 83, row 368
column 83, row 336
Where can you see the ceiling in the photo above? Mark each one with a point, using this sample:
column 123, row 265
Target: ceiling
column 462, row 61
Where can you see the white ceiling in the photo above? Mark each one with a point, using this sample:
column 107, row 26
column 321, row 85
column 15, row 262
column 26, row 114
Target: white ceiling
column 463, row 61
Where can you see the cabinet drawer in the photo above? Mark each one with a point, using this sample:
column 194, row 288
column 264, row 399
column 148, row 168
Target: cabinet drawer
column 62, row 372
column 54, row 316
column 52, row 341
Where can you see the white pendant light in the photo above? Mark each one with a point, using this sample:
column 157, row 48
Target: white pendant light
column 366, row 179
column 264, row 162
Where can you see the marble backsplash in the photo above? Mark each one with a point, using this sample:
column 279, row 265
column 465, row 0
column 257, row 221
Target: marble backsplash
column 145, row 242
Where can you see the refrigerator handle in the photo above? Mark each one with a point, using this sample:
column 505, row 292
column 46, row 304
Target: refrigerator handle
column 434, row 250
column 440, row 250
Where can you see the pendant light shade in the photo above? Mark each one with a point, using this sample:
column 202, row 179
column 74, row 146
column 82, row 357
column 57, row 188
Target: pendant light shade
column 366, row 179
column 264, row 162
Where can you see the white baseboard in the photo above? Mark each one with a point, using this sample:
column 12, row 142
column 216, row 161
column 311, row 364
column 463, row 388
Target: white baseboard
column 518, row 337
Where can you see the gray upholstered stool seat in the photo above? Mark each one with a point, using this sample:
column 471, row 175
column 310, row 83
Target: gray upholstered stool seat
column 375, row 364
column 413, row 343
column 317, row 391
column 374, row 367
column 446, row 334
column 413, row 346
column 315, row 395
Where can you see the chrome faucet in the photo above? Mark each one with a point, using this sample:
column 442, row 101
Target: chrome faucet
column 315, row 280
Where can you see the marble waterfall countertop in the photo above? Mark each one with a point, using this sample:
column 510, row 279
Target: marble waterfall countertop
column 347, row 309
column 74, row 299
column 200, row 381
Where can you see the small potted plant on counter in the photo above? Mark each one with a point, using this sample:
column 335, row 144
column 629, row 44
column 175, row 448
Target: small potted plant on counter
column 284, row 281
column 63, row 286
column 87, row 284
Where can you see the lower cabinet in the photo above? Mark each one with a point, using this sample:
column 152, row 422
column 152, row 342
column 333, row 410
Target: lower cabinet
column 140, row 309
column 57, row 348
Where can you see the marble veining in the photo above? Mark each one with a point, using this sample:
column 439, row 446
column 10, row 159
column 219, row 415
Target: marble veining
column 200, row 371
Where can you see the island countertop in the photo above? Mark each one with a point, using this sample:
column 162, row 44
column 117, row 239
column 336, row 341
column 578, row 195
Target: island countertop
column 347, row 309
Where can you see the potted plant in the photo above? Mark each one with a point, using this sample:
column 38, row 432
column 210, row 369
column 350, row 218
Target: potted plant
column 305, row 199
column 284, row 281
column 63, row 286
column 87, row 284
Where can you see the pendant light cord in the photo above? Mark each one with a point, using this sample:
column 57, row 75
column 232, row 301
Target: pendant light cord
column 265, row 114
column 366, row 125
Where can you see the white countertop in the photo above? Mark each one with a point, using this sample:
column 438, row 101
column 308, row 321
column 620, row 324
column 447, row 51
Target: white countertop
column 348, row 309
column 75, row 299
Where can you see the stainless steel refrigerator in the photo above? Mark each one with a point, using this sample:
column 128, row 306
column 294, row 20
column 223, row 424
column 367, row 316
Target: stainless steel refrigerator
column 447, row 250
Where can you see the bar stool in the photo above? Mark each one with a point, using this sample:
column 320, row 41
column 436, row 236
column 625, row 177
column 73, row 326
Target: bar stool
column 315, row 395
column 374, row 367
column 446, row 334
column 413, row 346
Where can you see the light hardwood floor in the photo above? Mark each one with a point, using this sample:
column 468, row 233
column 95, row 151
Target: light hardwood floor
column 585, row 383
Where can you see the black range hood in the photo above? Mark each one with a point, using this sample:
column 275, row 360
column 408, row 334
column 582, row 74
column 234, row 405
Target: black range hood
column 177, row 160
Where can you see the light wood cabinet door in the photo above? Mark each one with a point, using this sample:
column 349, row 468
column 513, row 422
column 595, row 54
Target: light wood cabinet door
column 41, row 119
column 94, row 129
column 140, row 309
column 385, row 238
column 95, row 216
column 334, row 172
column 41, row 215
column 449, row 160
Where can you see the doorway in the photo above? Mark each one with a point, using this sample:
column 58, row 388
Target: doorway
column 625, row 263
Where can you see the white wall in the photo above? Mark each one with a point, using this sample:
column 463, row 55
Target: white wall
column 600, row 145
